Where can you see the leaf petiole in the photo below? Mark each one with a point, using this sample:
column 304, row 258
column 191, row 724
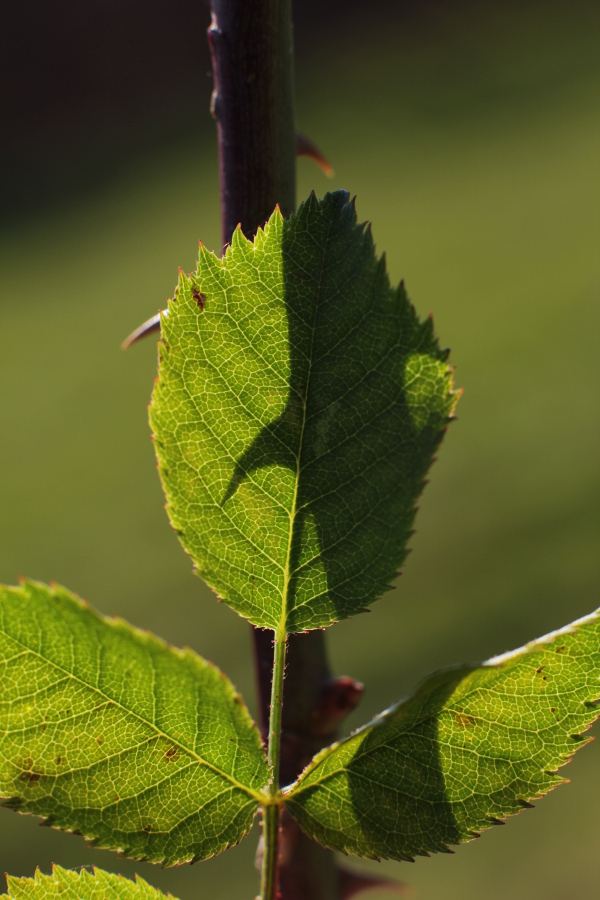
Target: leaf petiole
column 272, row 812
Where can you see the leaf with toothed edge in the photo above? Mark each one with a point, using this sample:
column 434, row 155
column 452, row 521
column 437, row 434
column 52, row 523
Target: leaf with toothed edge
column 69, row 885
column 297, row 409
column 108, row 732
column 472, row 746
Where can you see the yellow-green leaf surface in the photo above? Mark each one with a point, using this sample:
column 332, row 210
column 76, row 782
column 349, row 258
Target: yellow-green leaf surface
column 67, row 885
column 108, row 732
column 470, row 747
column 298, row 406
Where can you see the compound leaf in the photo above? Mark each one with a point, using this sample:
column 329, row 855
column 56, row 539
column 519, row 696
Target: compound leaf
column 470, row 747
column 298, row 405
column 67, row 885
column 108, row 732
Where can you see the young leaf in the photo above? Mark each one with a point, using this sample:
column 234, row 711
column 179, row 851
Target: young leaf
column 470, row 747
column 298, row 406
column 67, row 885
column 107, row 732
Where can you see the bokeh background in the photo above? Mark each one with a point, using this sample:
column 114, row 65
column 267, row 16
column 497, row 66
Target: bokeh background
column 470, row 132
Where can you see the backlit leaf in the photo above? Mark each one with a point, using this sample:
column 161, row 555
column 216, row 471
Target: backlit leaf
column 298, row 406
column 108, row 732
column 470, row 747
column 67, row 885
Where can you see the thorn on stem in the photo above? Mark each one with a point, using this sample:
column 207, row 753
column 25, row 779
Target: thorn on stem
column 305, row 147
column 353, row 883
column 147, row 328
column 339, row 697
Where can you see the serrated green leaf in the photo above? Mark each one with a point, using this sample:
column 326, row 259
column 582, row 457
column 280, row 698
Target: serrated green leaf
column 82, row 885
column 298, row 405
column 470, row 747
column 108, row 732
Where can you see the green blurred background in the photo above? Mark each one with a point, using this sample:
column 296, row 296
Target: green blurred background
column 470, row 133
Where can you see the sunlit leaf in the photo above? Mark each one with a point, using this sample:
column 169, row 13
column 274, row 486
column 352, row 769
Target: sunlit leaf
column 298, row 406
column 470, row 747
column 66, row 885
column 108, row 732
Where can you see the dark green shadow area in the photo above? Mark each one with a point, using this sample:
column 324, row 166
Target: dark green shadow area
column 364, row 444
column 388, row 790
column 415, row 817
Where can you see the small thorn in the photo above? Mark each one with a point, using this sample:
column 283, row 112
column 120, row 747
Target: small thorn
column 353, row 883
column 148, row 327
column 340, row 696
column 304, row 147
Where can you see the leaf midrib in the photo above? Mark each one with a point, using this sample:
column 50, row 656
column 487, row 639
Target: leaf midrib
column 256, row 795
column 287, row 575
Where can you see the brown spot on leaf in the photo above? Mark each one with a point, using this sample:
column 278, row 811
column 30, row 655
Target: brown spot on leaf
column 29, row 777
column 463, row 720
column 199, row 298
column 98, row 740
column 560, row 649
column 171, row 754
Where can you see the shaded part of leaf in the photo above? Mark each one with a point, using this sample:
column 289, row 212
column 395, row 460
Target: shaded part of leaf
column 295, row 416
column 64, row 884
column 472, row 746
column 110, row 733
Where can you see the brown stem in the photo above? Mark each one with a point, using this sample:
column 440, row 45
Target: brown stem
column 251, row 48
column 252, row 54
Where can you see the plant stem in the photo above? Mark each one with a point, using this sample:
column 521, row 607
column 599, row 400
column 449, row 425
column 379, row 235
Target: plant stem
column 269, row 880
column 271, row 814
column 253, row 103
column 274, row 745
column 251, row 48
